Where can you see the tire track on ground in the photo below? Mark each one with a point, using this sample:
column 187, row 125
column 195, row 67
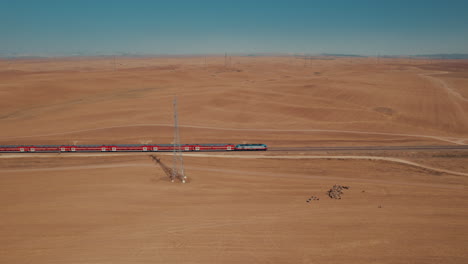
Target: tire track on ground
column 395, row 160
column 441, row 83
column 455, row 140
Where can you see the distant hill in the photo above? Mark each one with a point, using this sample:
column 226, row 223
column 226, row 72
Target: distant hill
column 341, row 55
column 453, row 56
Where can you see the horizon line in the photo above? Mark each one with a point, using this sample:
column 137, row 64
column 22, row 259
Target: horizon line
column 240, row 54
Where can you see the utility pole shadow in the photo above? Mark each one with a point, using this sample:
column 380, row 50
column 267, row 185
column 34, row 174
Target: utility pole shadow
column 168, row 171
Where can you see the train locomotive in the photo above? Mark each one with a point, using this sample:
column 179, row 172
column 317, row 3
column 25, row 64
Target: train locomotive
column 130, row 148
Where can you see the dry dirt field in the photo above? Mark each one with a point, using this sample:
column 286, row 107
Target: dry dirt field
column 402, row 206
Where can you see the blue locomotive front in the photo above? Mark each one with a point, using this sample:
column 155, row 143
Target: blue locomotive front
column 251, row 147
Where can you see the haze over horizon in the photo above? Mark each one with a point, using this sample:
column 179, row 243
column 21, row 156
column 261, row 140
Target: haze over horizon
column 364, row 27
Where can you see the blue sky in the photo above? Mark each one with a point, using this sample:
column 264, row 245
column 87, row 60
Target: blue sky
column 367, row 27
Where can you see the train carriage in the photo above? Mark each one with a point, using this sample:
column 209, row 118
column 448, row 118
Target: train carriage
column 65, row 148
column 217, row 147
column 92, row 148
column 27, row 148
column 44, row 148
column 163, row 147
column 187, row 147
column 11, row 148
column 129, row 148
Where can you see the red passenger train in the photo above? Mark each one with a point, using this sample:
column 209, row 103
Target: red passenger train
column 129, row 148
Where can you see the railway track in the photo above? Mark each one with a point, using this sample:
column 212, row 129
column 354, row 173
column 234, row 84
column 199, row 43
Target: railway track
column 370, row 148
column 290, row 149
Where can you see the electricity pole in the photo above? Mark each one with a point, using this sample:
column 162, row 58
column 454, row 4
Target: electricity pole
column 178, row 170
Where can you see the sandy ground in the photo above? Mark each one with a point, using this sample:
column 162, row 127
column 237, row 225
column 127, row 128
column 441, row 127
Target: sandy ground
column 402, row 207
column 123, row 209
column 278, row 100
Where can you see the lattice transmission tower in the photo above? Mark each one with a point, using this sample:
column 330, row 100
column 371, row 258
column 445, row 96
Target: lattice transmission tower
column 178, row 171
